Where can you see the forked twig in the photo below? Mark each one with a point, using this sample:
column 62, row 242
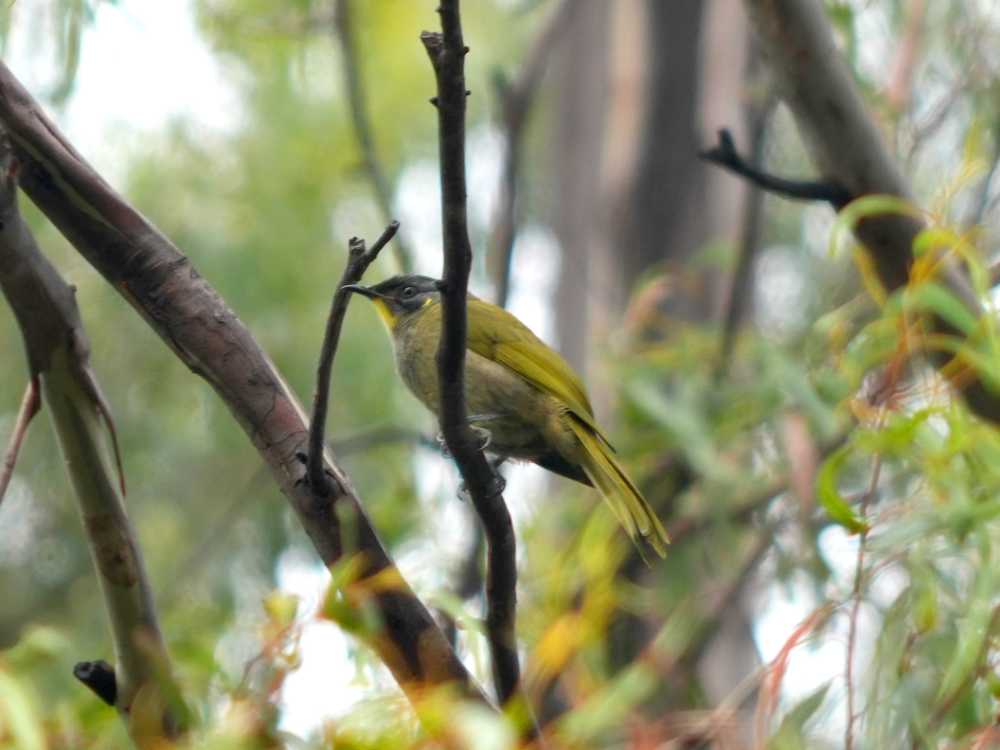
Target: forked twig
column 358, row 261
column 31, row 403
column 724, row 154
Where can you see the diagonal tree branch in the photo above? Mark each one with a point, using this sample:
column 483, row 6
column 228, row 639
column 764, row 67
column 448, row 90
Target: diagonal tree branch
column 845, row 143
column 724, row 154
column 191, row 317
column 740, row 300
column 447, row 52
column 58, row 359
column 516, row 100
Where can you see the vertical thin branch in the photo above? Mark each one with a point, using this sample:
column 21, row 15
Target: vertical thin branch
column 363, row 131
column 447, row 52
column 852, row 632
column 358, row 261
column 740, row 295
column 982, row 200
column 58, row 355
column 516, row 100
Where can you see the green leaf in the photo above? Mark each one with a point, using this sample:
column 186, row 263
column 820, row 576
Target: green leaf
column 790, row 735
column 829, row 496
column 18, row 720
column 608, row 708
column 932, row 297
column 680, row 417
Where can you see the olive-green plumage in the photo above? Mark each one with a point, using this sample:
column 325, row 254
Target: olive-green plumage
column 524, row 393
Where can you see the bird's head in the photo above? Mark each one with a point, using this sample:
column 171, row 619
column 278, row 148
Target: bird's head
column 399, row 297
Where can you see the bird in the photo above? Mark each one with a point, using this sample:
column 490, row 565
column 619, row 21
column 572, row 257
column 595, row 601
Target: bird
column 527, row 398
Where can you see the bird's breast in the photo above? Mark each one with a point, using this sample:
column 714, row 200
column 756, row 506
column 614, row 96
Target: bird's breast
column 523, row 422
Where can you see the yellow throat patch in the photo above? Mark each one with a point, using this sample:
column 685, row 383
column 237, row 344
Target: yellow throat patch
column 385, row 313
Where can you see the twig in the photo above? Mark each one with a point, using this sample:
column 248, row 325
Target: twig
column 740, row 292
column 516, row 100
column 363, row 131
column 378, row 436
column 852, row 630
column 191, row 317
column 30, row 404
column 689, row 659
column 727, row 708
column 358, row 260
column 99, row 676
column 725, row 155
column 690, row 526
column 948, row 702
column 682, row 530
column 58, row 354
column 982, row 199
column 899, row 90
column 447, row 52
column 216, row 529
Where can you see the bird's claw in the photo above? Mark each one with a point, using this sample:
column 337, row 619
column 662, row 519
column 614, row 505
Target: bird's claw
column 444, row 445
column 481, row 434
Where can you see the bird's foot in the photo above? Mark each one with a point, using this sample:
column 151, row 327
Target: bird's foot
column 444, row 445
column 482, row 435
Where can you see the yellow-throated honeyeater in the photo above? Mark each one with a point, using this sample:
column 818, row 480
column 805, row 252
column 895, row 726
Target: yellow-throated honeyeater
column 526, row 395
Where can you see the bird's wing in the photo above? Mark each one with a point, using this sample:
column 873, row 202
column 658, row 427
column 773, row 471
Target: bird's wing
column 497, row 335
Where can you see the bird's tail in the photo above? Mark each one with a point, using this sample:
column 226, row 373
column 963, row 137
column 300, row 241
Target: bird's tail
column 608, row 475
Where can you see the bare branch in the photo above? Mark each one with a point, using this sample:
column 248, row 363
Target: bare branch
column 948, row 701
column 30, row 404
column 447, row 52
column 58, row 354
column 377, row 436
column 725, row 155
column 689, row 659
column 160, row 282
column 852, row 632
column 740, row 292
column 516, row 100
column 99, row 676
column 358, row 261
column 847, row 147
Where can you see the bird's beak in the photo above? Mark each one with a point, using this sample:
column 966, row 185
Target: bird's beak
column 362, row 290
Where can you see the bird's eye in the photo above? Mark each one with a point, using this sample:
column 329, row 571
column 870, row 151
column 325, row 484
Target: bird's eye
column 408, row 292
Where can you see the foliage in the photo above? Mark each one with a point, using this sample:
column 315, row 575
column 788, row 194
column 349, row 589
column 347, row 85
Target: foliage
column 826, row 452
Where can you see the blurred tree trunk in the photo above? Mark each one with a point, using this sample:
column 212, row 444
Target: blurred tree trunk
column 643, row 86
column 580, row 74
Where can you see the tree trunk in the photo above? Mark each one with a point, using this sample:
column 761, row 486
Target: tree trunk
column 644, row 85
